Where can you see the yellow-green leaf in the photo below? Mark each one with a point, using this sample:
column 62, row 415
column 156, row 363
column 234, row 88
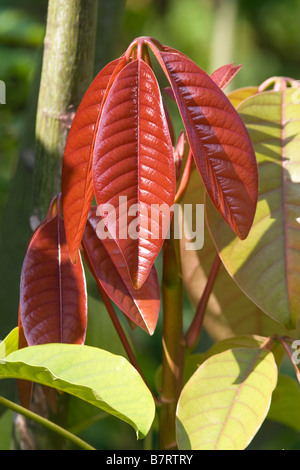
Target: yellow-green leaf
column 237, row 96
column 105, row 380
column 225, row 402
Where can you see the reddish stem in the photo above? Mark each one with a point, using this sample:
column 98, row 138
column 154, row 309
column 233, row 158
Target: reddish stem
column 194, row 331
column 185, row 177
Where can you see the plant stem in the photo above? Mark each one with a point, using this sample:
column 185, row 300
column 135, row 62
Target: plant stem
column 194, row 331
column 185, row 177
column 45, row 422
column 172, row 341
column 68, row 69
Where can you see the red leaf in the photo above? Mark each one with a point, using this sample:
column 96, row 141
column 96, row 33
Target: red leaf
column 109, row 269
column 134, row 158
column 219, row 141
column 77, row 187
column 53, row 299
column 223, row 75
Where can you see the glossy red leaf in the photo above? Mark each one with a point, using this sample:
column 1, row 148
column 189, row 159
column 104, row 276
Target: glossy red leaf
column 221, row 146
column 134, row 159
column 77, row 186
column 223, row 75
column 53, row 300
column 109, row 269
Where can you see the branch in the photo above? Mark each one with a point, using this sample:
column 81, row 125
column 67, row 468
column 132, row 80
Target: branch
column 194, row 331
column 45, row 422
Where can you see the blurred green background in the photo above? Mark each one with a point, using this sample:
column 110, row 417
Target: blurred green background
column 263, row 36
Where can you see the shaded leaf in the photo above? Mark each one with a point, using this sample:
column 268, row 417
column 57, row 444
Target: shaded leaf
column 105, row 380
column 266, row 265
column 101, row 332
column 77, row 186
column 134, row 160
column 285, row 407
column 53, row 302
column 218, row 139
column 225, row 402
column 110, row 270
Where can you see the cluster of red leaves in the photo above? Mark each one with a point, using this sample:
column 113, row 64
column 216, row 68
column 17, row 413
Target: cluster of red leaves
column 119, row 145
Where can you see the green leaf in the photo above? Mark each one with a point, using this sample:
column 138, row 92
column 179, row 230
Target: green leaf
column 237, row 96
column 245, row 341
column 103, row 379
column 10, row 343
column 285, row 406
column 225, row 402
column 193, row 361
column 266, row 265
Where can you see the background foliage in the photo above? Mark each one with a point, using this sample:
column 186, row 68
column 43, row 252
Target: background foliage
column 263, row 36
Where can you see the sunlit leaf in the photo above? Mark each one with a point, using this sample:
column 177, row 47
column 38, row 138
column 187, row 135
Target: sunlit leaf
column 105, row 380
column 10, row 343
column 225, row 402
column 223, row 75
column 239, row 95
column 220, row 144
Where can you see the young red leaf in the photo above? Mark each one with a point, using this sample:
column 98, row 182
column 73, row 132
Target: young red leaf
column 221, row 146
column 53, row 300
column 134, row 159
column 77, row 186
column 223, row 75
column 109, row 269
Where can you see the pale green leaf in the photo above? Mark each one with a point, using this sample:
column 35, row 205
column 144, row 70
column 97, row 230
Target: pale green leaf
column 266, row 265
column 225, row 402
column 10, row 343
column 103, row 379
